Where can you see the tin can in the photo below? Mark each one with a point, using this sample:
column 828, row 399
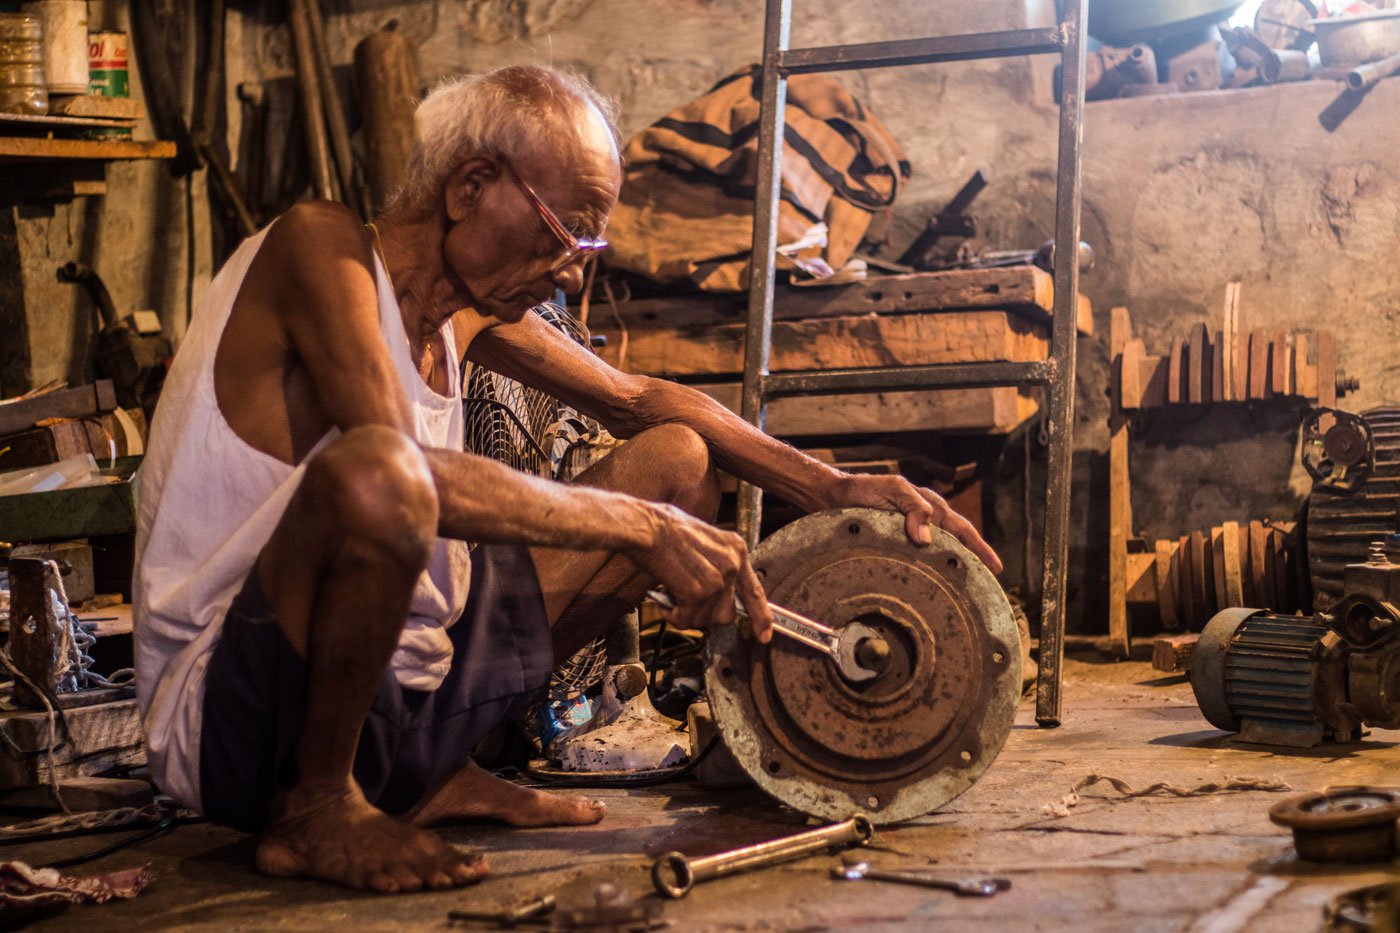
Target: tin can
column 65, row 37
column 108, row 75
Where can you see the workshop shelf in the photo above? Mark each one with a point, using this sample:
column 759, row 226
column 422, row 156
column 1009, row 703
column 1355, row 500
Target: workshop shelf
column 28, row 148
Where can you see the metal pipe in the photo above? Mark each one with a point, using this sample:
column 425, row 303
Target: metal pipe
column 907, row 378
column 758, row 336
column 1063, row 336
column 1280, row 65
column 313, row 115
column 674, row 874
column 1008, row 44
column 1364, row 76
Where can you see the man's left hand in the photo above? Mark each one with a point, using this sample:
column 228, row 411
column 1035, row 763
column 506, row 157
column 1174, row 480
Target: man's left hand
column 923, row 508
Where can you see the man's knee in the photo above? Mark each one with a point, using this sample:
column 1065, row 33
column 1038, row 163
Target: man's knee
column 374, row 488
column 684, row 459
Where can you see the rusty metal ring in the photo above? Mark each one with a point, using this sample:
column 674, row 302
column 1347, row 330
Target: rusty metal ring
column 906, row 742
column 1342, row 824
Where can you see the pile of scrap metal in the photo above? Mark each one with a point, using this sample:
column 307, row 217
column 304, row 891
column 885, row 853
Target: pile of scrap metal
column 1173, row 46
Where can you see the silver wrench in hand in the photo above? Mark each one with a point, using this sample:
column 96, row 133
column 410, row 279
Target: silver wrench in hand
column 860, row 652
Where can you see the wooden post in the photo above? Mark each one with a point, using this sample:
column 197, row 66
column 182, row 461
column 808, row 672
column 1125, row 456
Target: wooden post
column 387, row 84
column 34, row 629
column 1120, row 509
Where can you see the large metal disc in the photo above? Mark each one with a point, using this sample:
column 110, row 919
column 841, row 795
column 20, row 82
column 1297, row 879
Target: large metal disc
column 895, row 747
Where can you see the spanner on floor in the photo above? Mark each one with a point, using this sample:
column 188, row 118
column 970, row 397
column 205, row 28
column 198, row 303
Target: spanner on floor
column 963, row 887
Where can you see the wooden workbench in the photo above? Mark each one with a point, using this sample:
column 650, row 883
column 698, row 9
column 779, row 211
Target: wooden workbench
column 959, row 316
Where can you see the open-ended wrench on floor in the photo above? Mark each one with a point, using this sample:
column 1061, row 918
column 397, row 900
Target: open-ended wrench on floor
column 963, row 887
column 860, row 652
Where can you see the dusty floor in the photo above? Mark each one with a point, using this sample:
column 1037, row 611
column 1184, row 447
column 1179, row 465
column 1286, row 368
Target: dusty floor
column 1156, row 863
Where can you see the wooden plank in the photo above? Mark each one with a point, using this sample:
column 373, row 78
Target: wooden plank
column 1171, row 654
column 995, row 410
column 1202, row 586
column 1263, row 593
column 103, row 736
column 1233, row 566
column 1130, row 375
column 1120, row 516
column 1217, row 369
column 82, row 794
column 97, row 105
column 1217, row 555
column 1326, row 369
column 1167, row 583
column 1282, row 364
column 78, row 402
column 1022, row 290
column 1269, row 566
column 830, row 343
column 1304, row 376
column 1176, row 375
column 1142, row 578
column 27, row 148
column 1246, row 575
column 1281, row 600
column 1152, row 377
column 1186, row 601
column 1196, row 365
column 1259, row 384
column 1230, row 327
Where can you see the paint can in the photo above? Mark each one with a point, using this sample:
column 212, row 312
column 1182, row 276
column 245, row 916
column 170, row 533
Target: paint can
column 65, row 43
column 108, row 75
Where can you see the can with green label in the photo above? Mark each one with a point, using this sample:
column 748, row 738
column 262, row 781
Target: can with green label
column 107, row 69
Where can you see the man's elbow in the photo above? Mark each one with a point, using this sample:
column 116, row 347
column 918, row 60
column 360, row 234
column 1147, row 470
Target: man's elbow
column 639, row 402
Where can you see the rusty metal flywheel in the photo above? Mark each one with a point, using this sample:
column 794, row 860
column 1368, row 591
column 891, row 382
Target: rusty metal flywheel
column 906, row 742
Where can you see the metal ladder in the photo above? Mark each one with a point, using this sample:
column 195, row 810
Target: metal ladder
column 1055, row 373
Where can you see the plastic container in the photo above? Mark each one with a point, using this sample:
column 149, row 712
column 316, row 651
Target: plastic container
column 23, row 90
column 21, row 39
column 65, row 43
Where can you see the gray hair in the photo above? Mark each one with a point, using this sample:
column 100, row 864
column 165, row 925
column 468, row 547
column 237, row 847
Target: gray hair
column 516, row 111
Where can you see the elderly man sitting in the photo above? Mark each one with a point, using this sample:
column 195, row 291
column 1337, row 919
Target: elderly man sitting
column 317, row 648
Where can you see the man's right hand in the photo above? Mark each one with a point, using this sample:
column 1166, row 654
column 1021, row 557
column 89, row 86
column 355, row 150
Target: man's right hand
column 704, row 568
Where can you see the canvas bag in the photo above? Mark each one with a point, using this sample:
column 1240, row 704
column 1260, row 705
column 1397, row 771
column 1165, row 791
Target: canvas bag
column 686, row 208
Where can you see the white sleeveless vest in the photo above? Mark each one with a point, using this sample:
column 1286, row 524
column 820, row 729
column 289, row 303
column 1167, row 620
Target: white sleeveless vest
column 208, row 504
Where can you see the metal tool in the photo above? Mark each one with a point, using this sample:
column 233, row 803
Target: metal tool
column 509, row 917
column 963, row 887
column 911, row 739
column 674, row 874
column 860, row 652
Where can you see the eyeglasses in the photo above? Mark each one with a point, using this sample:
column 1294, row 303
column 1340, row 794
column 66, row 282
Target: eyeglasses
column 574, row 246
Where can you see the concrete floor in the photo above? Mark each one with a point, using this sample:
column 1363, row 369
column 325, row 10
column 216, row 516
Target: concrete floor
column 1211, row 863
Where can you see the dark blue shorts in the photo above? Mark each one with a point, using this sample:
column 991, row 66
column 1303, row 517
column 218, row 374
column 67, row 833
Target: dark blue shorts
column 255, row 698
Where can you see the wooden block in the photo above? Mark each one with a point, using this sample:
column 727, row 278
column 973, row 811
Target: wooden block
column 1023, row 290
column 83, row 794
column 1326, row 369
column 830, row 343
column 1304, row 376
column 1171, row 654
column 991, row 410
column 1259, row 384
column 1176, row 375
column 1217, row 555
column 97, row 105
column 1196, row 364
column 1186, row 599
column 1142, row 578
column 1131, row 365
column 1152, row 378
column 1246, row 579
column 1270, row 561
column 1120, row 518
column 1230, row 327
column 1202, row 586
column 1263, row 592
column 1282, row 364
column 1217, row 369
column 1164, row 561
column 1232, row 565
column 1281, row 601
column 80, row 402
column 1120, row 329
column 104, row 736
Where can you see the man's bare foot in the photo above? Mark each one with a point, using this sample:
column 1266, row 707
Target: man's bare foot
column 341, row 837
column 473, row 793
